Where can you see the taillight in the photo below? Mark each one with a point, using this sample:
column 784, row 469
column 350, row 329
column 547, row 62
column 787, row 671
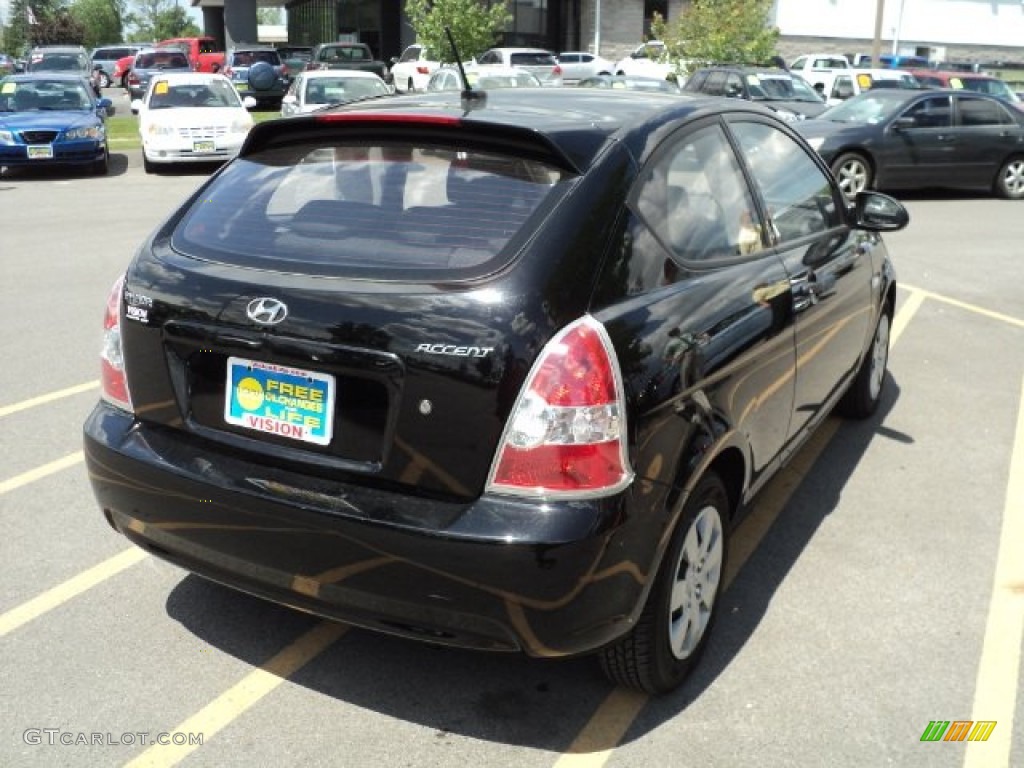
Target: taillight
column 113, row 384
column 421, row 70
column 133, row 79
column 557, row 71
column 566, row 435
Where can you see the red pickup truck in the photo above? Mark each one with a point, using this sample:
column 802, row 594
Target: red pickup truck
column 202, row 52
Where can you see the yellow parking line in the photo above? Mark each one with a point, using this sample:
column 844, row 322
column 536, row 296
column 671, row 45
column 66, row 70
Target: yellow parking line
column 605, row 729
column 60, row 594
column 6, row 486
column 7, row 410
column 903, row 317
column 227, row 707
column 995, row 693
column 603, row 732
column 1010, row 319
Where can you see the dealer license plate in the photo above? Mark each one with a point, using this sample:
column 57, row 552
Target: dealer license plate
column 278, row 400
column 40, row 152
column 203, row 147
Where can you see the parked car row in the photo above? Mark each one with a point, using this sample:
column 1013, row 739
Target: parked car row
column 892, row 134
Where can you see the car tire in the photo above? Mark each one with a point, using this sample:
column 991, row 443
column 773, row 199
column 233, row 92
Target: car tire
column 104, row 80
column 660, row 650
column 262, row 76
column 147, row 166
column 1010, row 180
column 865, row 392
column 853, row 172
column 102, row 166
column 410, row 87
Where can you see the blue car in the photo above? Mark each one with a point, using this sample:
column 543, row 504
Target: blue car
column 52, row 119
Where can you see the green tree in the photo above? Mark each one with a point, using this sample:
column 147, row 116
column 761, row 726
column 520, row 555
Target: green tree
column 268, row 16
column 160, row 19
column 54, row 25
column 57, row 27
column 101, row 20
column 708, row 31
column 474, row 27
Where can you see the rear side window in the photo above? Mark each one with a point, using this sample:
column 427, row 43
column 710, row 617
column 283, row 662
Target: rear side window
column 532, row 60
column 111, row 54
column 975, row 112
column 382, row 210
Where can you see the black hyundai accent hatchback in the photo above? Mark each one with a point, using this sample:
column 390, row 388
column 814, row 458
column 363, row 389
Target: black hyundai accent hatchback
column 497, row 372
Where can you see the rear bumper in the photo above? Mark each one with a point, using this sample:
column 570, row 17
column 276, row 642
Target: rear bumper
column 553, row 579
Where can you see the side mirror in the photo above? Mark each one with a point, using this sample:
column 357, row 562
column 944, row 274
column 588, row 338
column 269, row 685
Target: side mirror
column 136, row 106
column 877, row 212
column 393, row 60
column 249, row 102
column 844, row 91
column 903, row 123
column 105, row 106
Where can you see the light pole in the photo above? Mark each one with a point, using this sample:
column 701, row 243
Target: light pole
column 876, row 44
column 597, row 27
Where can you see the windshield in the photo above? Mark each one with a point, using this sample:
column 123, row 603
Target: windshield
column 871, row 107
column 331, row 90
column 44, row 96
column 216, row 93
column 59, row 62
column 780, row 88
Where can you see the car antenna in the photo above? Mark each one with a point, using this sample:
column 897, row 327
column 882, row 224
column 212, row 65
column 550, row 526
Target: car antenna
column 470, row 99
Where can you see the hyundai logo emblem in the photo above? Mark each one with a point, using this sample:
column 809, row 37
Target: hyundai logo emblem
column 266, row 311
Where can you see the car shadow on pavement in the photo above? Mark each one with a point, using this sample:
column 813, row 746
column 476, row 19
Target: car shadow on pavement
column 509, row 698
column 117, row 166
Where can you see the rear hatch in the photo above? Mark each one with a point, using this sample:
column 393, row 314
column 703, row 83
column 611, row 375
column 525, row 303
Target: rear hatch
column 345, row 304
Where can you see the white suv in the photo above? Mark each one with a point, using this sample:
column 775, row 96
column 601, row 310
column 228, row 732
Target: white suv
column 537, row 61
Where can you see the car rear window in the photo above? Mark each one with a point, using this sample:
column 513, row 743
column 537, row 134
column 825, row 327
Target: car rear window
column 376, row 210
column 532, row 60
column 162, row 60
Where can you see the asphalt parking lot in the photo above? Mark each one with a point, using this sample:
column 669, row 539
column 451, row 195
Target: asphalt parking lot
column 877, row 588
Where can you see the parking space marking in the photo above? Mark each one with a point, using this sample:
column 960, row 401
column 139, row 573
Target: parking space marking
column 6, row 486
column 905, row 314
column 52, row 598
column 995, row 693
column 59, row 394
column 1010, row 319
column 602, row 733
column 231, row 704
column 605, row 729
